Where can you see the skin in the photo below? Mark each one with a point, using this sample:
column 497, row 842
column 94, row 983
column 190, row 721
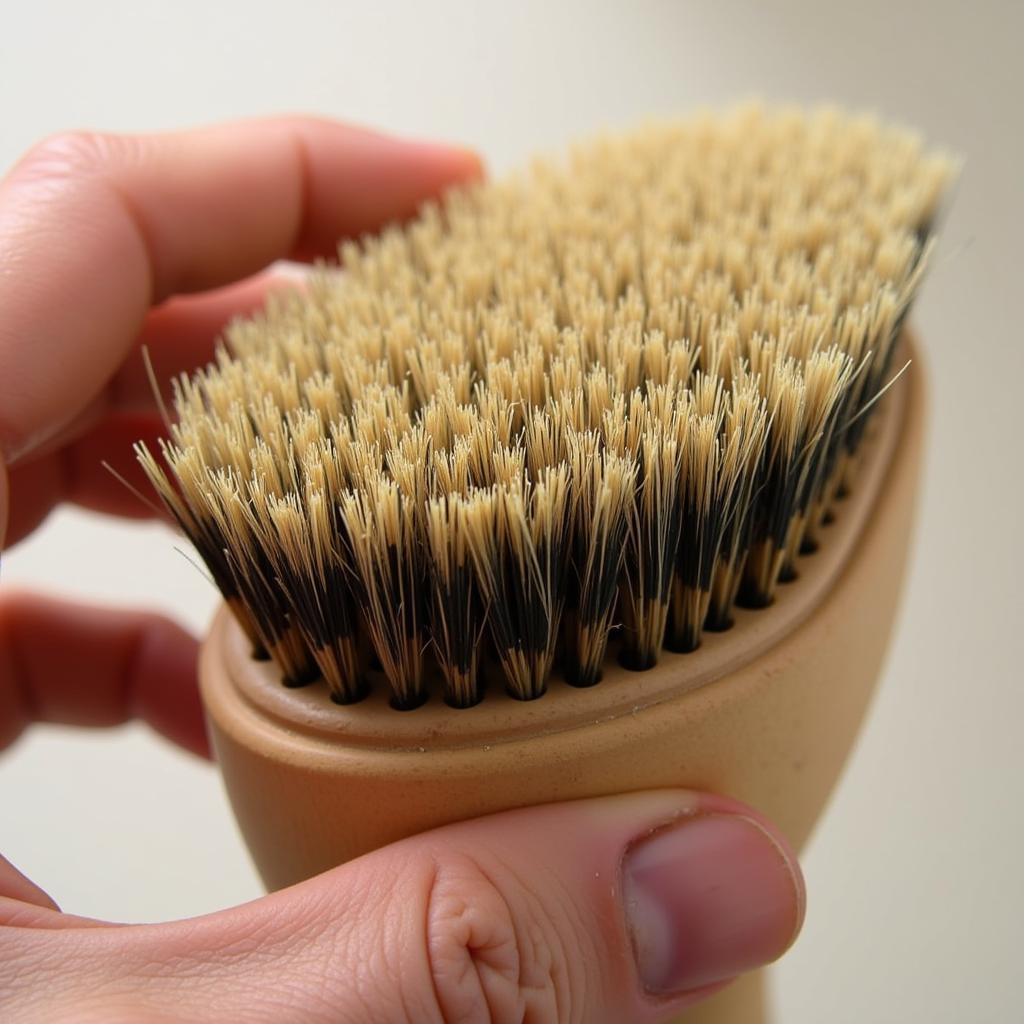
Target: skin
column 109, row 243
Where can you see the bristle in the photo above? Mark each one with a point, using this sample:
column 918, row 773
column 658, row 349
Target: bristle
column 704, row 521
column 246, row 549
column 624, row 389
column 517, row 536
column 457, row 612
column 192, row 507
column 785, row 392
column 826, row 380
column 652, row 543
column 602, row 499
column 744, row 436
column 388, row 563
column 314, row 574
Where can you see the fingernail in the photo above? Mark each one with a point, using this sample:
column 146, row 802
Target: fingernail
column 707, row 899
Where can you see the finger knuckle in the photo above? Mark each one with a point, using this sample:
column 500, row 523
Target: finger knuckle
column 497, row 952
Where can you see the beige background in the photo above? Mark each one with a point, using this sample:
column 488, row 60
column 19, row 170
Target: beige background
column 916, row 894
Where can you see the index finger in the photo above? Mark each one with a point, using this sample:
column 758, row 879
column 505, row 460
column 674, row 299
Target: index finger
column 94, row 229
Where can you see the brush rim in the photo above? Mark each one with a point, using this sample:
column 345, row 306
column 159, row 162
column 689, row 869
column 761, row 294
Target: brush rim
column 374, row 724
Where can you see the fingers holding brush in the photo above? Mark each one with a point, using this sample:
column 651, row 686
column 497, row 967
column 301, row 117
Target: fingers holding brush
column 626, row 908
column 80, row 665
column 152, row 216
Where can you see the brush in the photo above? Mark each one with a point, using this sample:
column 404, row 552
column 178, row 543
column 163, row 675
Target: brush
column 596, row 479
column 607, row 400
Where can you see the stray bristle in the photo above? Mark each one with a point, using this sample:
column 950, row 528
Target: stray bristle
column 608, row 399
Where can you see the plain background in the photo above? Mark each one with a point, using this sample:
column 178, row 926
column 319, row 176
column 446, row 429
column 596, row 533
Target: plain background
column 915, row 880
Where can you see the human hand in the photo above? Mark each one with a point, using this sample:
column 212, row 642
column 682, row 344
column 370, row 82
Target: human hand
column 618, row 909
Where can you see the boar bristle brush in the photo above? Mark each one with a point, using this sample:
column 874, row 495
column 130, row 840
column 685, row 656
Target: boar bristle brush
column 563, row 420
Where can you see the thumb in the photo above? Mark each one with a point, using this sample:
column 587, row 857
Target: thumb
column 606, row 910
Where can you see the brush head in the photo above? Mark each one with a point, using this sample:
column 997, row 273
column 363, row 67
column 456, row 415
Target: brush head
column 618, row 393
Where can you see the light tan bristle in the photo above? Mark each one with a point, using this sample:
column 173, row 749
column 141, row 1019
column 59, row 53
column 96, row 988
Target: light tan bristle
column 619, row 392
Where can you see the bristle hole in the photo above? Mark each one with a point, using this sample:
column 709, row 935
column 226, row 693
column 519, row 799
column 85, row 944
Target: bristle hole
column 410, row 702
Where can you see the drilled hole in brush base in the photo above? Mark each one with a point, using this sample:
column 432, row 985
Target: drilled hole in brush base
column 579, row 681
column 410, row 704
column 449, row 703
column 715, row 624
column 634, row 662
column 525, row 700
column 347, row 701
column 753, row 600
column 681, row 646
column 298, row 682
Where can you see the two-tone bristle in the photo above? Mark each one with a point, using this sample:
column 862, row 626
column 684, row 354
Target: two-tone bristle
column 457, row 620
column 381, row 523
column 804, row 402
column 248, row 541
column 306, row 549
column 602, row 503
column 652, row 542
column 591, row 407
column 517, row 534
column 744, row 434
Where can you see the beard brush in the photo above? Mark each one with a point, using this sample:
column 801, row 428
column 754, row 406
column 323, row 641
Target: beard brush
column 584, row 481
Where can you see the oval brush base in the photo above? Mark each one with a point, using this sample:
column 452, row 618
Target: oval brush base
column 765, row 713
